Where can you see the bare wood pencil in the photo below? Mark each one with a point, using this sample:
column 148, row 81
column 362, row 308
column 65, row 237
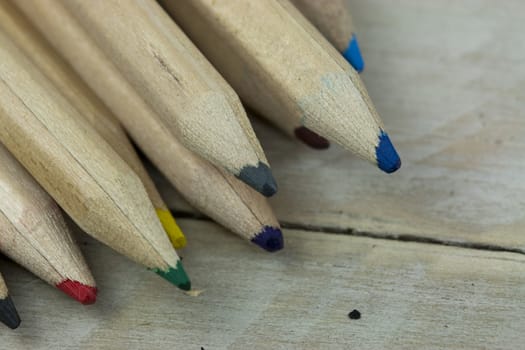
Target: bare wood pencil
column 78, row 168
column 284, row 69
column 214, row 192
column 86, row 102
column 211, row 190
column 334, row 20
column 195, row 109
column 33, row 233
column 8, row 314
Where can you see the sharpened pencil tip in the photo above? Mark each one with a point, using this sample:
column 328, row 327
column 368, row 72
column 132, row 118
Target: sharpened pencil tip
column 173, row 230
column 8, row 314
column 79, row 291
column 176, row 276
column 260, row 178
column 387, row 158
column 311, row 138
column 270, row 239
column 353, row 54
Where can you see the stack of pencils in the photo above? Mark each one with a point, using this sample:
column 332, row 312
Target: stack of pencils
column 78, row 77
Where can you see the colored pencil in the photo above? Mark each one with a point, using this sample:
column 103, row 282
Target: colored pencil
column 334, row 20
column 284, row 69
column 8, row 314
column 210, row 189
column 191, row 104
column 113, row 133
column 213, row 191
column 87, row 103
column 78, row 168
column 34, row 234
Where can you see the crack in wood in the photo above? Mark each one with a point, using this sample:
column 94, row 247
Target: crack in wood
column 353, row 232
column 166, row 67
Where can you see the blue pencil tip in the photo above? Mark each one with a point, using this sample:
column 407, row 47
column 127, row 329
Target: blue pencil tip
column 387, row 158
column 353, row 54
column 270, row 239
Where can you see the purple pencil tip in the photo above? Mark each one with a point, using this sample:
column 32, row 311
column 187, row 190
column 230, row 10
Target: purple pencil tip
column 270, row 239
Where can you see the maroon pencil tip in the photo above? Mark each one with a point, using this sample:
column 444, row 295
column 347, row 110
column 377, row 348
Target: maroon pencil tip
column 311, row 138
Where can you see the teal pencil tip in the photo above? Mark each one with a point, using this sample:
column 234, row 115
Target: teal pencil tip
column 353, row 54
column 176, row 276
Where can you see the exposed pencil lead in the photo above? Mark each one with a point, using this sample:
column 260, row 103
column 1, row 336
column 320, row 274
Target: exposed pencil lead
column 259, row 178
column 8, row 314
column 176, row 276
column 270, row 239
column 387, row 158
column 318, row 91
column 173, row 230
column 311, row 138
column 353, row 54
column 79, row 291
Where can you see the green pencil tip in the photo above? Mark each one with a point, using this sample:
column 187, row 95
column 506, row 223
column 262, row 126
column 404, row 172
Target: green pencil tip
column 177, row 276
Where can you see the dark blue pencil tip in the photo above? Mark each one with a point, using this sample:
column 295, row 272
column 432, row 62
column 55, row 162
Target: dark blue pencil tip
column 387, row 158
column 353, row 54
column 259, row 178
column 269, row 239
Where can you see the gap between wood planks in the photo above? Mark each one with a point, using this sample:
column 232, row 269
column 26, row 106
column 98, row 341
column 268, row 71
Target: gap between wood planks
column 352, row 232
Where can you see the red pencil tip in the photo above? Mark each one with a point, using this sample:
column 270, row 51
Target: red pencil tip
column 78, row 291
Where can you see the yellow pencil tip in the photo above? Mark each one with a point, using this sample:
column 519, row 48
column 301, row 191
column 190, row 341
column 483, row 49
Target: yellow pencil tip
column 172, row 229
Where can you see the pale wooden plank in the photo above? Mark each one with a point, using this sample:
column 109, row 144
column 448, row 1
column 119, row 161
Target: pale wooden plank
column 411, row 296
column 448, row 80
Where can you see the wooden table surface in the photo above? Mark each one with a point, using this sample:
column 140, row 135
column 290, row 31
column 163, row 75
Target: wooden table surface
column 432, row 256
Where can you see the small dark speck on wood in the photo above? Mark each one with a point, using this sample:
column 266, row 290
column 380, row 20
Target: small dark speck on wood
column 354, row 314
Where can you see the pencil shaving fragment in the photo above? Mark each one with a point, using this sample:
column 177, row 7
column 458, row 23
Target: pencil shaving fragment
column 194, row 292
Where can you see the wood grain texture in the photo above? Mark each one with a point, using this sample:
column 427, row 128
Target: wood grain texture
column 165, row 74
column 74, row 164
column 4, row 292
column 35, row 46
column 452, row 97
column 447, row 79
column 214, row 191
column 283, row 68
column 411, row 296
column 33, row 231
column 210, row 189
column 332, row 18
